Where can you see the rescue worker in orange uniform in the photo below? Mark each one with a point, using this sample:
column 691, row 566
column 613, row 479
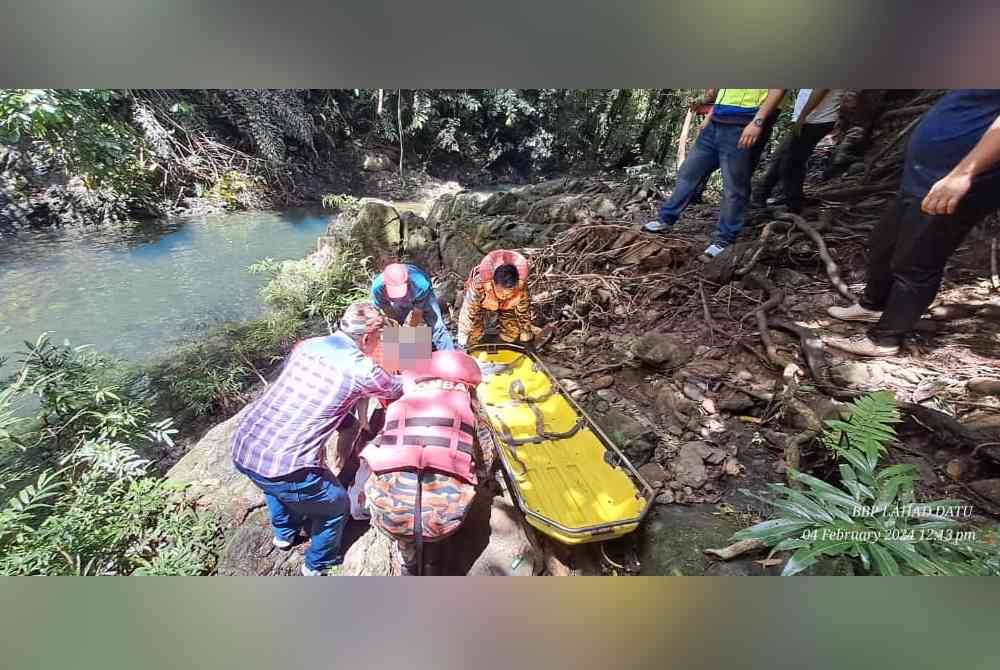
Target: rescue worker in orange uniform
column 498, row 284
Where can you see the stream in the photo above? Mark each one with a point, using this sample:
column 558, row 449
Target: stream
column 139, row 290
column 136, row 291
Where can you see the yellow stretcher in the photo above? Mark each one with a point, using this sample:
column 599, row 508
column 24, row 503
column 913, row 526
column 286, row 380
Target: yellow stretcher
column 569, row 479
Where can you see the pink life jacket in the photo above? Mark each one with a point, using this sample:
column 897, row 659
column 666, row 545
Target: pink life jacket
column 427, row 429
column 431, row 428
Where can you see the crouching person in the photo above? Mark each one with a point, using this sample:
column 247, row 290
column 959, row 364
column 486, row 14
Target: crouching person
column 424, row 463
column 280, row 442
column 499, row 284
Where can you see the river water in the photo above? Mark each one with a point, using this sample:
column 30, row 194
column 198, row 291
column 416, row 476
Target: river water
column 138, row 290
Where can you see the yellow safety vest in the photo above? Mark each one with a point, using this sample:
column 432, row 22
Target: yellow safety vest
column 741, row 97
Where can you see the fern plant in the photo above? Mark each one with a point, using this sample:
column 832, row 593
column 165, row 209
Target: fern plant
column 873, row 517
column 870, row 427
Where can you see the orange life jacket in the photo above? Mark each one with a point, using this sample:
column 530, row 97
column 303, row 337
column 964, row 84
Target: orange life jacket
column 483, row 274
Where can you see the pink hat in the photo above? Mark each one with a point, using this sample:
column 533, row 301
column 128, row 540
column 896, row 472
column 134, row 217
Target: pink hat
column 397, row 280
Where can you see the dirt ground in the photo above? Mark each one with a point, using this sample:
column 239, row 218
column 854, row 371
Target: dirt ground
column 710, row 390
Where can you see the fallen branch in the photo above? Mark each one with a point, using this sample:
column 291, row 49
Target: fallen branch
column 737, row 549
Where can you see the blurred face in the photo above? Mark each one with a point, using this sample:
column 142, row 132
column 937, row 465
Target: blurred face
column 371, row 345
column 405, row 348
column 503, row 292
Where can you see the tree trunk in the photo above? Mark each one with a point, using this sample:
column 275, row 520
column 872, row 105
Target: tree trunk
column 399, row 125
column 682, row 143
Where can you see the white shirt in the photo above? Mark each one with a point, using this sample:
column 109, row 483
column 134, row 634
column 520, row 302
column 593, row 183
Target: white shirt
column 827, row 110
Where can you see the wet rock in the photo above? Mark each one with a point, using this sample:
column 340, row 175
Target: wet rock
column 375, row 162
column 989, row 423
column 560, row 371
column 502, row 203
column 735, row 402
column 988, row 488
column 602, row 382
column 665, row 497
column 375, row 232
column 863, row 376
column 957, row 469
column 607, row 395
column 248, row 551
column 715, row 456
column 789, row 278
column 662, row 350
column 688, row 467
column 208, row 470
column 692, row 392
column 621, row 427
column 654, row 474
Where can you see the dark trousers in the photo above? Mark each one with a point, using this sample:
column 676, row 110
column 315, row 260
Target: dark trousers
column 907, row 253
column 789, row 166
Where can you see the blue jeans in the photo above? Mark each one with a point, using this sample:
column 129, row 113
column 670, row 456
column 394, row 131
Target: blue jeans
column 715, row 148
column 312, row 497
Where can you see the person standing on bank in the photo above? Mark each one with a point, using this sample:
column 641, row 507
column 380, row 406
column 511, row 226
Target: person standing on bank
column 813, row 118
column 703, row 106
column 734, row 126
column 280, row 443
column 951, row 182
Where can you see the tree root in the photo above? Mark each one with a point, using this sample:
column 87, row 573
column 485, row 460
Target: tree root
column 737, row 549
column 775, row 296
column 832, row 271
column 845, row 194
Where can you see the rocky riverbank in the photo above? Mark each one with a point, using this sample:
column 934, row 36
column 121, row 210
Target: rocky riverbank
column 665, row 354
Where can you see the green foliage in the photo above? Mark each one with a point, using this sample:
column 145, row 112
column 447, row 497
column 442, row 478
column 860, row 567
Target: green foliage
column 870, row 426
column 873, row 517
column 312, row 287
column 347, row 204
column 86, row 400
column 237, row 190
column 94, row 507
column 84, row 131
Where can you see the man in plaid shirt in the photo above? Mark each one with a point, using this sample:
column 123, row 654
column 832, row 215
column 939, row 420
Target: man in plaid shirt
column 279, row 443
